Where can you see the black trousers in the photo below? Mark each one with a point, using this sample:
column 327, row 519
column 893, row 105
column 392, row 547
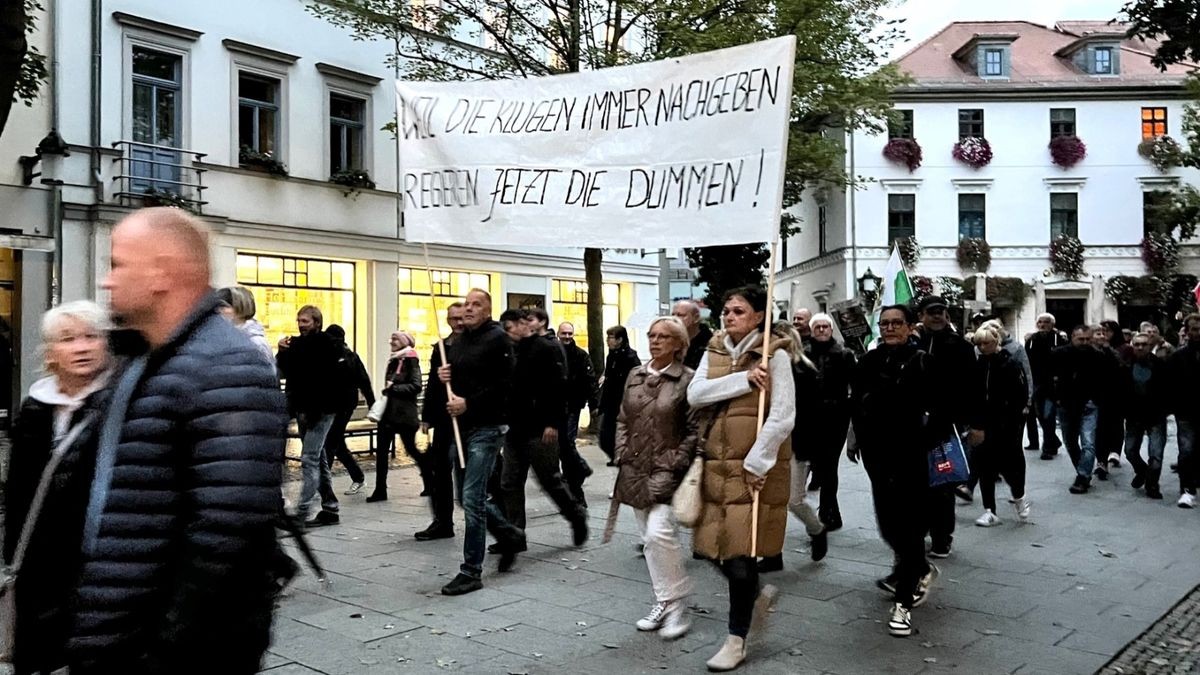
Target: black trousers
column 440, row 464
column 824, row 459
column 1110, row 432
column 900, row 491
column 1031, row 428
column 608, row 432
column 575, row 468
column 939, row 514
column 522, row 452
column 335, row 446
column 998, row 456
column 383, row 450
column 742, row 575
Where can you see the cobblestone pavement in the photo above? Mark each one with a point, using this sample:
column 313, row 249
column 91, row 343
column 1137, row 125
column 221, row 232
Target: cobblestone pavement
column 1061, row 594
column 1170, row 646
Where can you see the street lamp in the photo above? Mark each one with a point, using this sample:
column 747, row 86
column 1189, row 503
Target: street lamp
column 49, row 153
column 868, row 287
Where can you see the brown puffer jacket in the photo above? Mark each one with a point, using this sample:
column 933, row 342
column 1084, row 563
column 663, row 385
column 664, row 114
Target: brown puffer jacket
column 724, row 528
column 656, row 437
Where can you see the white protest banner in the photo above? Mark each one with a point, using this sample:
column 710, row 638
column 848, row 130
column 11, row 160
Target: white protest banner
column 681, row 152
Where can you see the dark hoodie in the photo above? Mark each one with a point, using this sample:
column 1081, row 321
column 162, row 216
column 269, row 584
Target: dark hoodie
column 997, row 394
column 538, row 397
column 352, row 376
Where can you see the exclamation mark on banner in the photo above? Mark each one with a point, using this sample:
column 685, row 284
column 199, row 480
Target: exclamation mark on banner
column 758, row 188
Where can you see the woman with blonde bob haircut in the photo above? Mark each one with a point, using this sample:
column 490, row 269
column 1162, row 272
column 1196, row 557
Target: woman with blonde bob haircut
column 56, row 419
column 655, row 444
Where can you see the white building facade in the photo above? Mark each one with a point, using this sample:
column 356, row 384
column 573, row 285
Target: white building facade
column 204, row 101
column 1018, row 85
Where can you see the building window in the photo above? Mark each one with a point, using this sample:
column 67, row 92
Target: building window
column 902, row 216
column 1062, row 122
column 970, row 123
column 1102, row 63
column 822, row 229
column 569, row 298
column 901, row 126
column 993, row 62
column 1154, row 202
column 258, row 114
column 1064, row 215
column 972, row 216
column 156, row 120
column 1154, row 122
column 346, row 123
column 282, row 285
column 425, row 320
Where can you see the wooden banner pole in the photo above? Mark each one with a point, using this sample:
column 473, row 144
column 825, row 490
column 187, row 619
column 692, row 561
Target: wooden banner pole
column 462, row 462
column 762, row 393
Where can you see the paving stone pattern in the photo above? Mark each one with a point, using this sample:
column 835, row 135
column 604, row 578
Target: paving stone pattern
column 1171, row 646
column 1061, row 594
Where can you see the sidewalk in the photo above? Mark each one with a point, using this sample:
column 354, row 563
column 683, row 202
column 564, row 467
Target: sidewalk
column 1061, row 594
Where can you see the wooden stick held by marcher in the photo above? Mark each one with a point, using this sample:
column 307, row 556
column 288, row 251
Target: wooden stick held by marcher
column 462, row 462
column 762, row 393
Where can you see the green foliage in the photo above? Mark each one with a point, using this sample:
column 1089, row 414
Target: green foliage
column 974, row 255
column 726, row 267
column 1006, row 292
column 1175, row 23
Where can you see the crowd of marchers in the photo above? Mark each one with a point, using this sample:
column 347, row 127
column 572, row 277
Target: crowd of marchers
column 145, row 490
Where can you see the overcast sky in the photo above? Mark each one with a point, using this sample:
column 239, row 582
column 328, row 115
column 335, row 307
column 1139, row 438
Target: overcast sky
column 923, row 18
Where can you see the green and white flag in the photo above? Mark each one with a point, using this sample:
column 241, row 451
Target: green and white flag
column 896, row 290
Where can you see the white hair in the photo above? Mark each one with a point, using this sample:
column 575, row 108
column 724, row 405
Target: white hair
column 85, row 311
column 1047, row 315
column 675, row 327
column 819, row 317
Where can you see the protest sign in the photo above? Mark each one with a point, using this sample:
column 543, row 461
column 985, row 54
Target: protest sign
column 681, row 152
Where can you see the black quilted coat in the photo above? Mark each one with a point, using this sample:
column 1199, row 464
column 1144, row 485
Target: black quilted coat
column 179, row 531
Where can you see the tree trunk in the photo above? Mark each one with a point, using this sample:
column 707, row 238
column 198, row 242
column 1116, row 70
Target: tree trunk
column 592, row 259
column 12, row 53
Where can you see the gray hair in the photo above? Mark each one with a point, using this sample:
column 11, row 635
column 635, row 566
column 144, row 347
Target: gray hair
column 693, row 307
column 1047, row 315
column 241, row 299
column 84, row 311
column 675, row 327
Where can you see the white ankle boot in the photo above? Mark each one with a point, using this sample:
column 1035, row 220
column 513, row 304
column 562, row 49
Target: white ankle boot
column 675, row 622
column 732, row 653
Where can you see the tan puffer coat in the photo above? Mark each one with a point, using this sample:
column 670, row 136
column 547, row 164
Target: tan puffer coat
column 656, row 439
column 724, row 528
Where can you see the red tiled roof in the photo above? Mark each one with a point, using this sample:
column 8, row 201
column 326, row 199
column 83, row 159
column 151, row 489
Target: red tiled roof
column 1033, row 59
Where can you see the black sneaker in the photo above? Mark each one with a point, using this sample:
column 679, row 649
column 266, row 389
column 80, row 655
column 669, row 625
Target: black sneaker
column 1139, row 479
column 579, row 531
column 435, row 531
column 498, row 548
column 1114, row 461
column 1049, row 455
column 1080, row 486
column 461, row 585
column 940, row 550
column 819, row 543
column 770, row 564
column 377, row 496
column 964, row 493
column 1154, row 493
column 324, row 518
column 1101, row 473
column 833, row 522
column 887, row 584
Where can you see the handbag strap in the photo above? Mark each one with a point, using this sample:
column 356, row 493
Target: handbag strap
column 39, row 497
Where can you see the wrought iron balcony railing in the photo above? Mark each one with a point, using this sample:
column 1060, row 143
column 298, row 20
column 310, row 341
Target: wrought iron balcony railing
column 158, row 175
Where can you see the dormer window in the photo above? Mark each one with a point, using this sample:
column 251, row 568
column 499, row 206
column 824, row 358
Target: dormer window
column 1095, row 53
column 993, row 62
column 1102, row 63
column 987, row 55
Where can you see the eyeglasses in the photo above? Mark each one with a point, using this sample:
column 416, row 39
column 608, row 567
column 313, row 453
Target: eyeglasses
column 892, row 323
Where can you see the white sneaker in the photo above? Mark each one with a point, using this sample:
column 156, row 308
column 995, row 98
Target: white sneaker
column 355, row 488
column 1022, row 507
column 1187, row 500
column 925, row 585
column 654, row 620
column 988, row 519
column 676, row 623
column 900, row 621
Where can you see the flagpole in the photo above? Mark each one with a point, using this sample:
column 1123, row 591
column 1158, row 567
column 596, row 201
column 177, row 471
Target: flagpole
column 441, row 343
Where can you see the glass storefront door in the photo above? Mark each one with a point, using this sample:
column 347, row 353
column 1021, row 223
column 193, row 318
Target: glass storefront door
column 282, row 285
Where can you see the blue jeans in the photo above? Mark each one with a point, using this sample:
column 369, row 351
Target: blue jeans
column 1185, row 435
column 315, row 470
column 1046, row 411
column 481, row 514
column 1079, row 435
column 1134, row 432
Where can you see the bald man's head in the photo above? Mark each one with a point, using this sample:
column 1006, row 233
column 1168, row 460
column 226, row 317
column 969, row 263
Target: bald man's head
column 159, row 261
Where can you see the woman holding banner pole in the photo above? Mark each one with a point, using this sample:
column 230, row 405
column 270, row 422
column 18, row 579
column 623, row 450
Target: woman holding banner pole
column 744, row 465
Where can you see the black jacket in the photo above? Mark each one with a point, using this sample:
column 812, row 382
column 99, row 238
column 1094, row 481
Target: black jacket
column 617, row 366
column 1147, row 399
column 539, row 383
column 892, row 389
column 1083, row 374
column 997, row 394
column 402, row 392
column 1039, row 347
column 696, row 347
column 835, row 364
column 951, row 359
column 481, row 367
column 310, row 368
column 1184, row 366
column 433, row 405
column 44, row 589
column 180, row 523
column 581, row 378
column 808, row 401
column 352, row 378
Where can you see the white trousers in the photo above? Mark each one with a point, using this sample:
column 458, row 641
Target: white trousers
column 664, row 555
column 797, row 505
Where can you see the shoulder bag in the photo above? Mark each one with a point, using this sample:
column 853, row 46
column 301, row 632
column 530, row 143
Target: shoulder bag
column 8, row 576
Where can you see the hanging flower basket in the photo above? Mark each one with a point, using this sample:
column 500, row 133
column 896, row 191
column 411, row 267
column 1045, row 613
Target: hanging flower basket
column 1011, row 292
column 157, row 197
column 922, row 287
column 357, row 179
column 1119, row 288
column 1160, row 252
column 973, row 151
column 910, row 252
column 974, row 255
column 1066, row 257
column 261, row 161
column 951, row 290
column 904, row 151
column 1163, row 152
column 1067, row 151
